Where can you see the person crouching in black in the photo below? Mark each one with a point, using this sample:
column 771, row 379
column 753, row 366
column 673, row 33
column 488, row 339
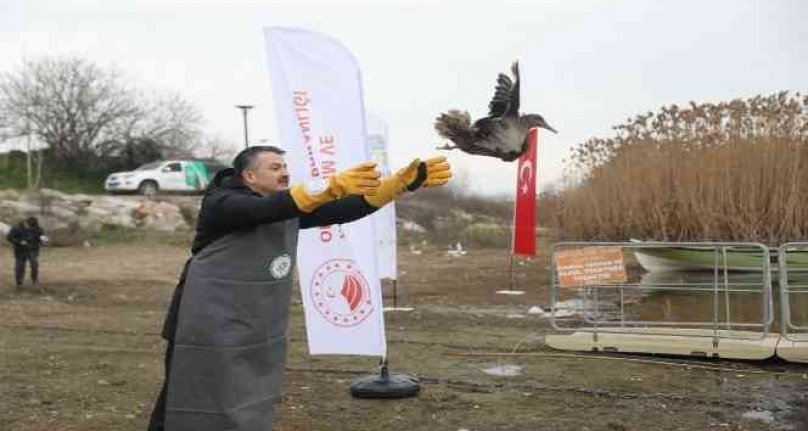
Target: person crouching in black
column 26, row 237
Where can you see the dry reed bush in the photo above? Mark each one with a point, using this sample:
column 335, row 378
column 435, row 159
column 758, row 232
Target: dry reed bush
column 729, row 171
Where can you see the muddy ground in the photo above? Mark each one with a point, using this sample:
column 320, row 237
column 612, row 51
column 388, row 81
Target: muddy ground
column 83, row 353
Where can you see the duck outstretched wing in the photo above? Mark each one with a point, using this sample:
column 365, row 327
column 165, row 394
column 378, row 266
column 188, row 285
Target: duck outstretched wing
column 506, row 95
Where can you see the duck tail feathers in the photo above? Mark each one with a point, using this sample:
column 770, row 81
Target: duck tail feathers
column 453, row 124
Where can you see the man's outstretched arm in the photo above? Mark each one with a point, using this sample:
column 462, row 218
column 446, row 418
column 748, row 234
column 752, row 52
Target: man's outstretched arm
column 430, row 173
column 344, row 210
column 226, row 210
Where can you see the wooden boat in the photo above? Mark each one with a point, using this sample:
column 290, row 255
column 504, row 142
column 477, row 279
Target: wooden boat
column 703, row 259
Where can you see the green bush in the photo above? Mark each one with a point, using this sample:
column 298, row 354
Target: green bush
column 54, row 175
column 487, row 235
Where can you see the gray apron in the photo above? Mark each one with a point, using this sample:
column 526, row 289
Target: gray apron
column 230, row 345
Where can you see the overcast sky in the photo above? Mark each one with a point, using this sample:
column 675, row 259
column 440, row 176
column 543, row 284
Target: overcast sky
column 587, row 65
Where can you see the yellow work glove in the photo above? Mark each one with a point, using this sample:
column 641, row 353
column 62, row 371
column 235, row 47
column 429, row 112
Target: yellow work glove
column 430, row 173
column 438, row 172
column 362, row 179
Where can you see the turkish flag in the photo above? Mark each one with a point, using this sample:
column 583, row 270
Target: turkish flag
column 524, row 212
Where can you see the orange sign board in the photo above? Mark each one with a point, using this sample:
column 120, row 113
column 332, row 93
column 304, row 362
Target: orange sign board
column 589, row 266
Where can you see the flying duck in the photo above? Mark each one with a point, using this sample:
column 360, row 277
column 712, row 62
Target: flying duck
column 502, row 134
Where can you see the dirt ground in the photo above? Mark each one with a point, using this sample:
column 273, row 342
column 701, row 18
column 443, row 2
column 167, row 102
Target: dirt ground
column 84, row 354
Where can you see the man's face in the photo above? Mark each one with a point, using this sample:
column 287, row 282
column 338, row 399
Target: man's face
column 269, row 175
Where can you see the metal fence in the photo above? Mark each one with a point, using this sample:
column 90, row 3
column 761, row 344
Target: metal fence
column 707, row 289
column 793, row 281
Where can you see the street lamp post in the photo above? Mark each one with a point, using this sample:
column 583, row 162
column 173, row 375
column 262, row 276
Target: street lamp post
column 244, row 109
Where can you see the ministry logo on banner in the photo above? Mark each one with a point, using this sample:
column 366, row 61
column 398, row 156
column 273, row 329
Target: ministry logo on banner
column 341, row 293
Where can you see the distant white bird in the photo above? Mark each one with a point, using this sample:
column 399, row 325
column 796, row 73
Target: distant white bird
column 456, row 250
column 502, row 134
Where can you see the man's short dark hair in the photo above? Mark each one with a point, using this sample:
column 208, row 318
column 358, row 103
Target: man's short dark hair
column 246, row 158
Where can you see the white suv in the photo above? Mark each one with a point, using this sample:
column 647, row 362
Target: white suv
column 168, row 175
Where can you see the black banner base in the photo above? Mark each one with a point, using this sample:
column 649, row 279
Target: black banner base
column 385, row 386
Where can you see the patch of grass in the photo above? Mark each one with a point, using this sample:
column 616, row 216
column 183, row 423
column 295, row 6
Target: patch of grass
column 116, row 235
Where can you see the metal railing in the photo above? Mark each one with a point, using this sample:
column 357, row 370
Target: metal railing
column 724, row 291
column 793, row 265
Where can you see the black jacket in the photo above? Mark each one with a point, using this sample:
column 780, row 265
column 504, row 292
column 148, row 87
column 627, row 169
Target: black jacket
column 230, row 206
column 25, row 239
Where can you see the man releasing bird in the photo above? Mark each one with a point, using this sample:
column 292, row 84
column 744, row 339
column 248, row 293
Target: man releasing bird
column 502, row 134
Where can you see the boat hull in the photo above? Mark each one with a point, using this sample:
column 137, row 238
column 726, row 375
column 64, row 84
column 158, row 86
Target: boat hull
column 696, row 259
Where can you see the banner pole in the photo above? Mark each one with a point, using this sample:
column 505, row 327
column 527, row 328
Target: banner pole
column 395, row 293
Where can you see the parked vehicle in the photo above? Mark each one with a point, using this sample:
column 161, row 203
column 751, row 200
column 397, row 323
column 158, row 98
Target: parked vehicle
column 167, row 175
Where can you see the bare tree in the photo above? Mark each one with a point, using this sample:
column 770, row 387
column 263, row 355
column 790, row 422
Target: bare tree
column 69, row 103
column 215, row 147
column 175, row 123
column 89, row 117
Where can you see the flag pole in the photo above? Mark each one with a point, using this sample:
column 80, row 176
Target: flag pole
column 512, row 277
column 511, row 272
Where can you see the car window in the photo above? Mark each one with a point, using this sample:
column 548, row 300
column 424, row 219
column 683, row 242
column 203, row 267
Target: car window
column 148, row 166
column 172, row 167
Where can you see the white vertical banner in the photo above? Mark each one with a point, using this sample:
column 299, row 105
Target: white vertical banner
column 317, row 89
column 384, row 219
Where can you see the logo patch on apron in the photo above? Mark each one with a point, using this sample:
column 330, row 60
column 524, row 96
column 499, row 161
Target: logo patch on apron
column 280, row 266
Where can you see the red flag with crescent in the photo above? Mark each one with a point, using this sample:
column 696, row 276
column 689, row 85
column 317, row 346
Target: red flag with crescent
column 524, row 213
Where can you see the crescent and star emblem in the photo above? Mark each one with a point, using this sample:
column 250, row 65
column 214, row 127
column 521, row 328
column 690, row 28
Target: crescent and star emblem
column 525, row 174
